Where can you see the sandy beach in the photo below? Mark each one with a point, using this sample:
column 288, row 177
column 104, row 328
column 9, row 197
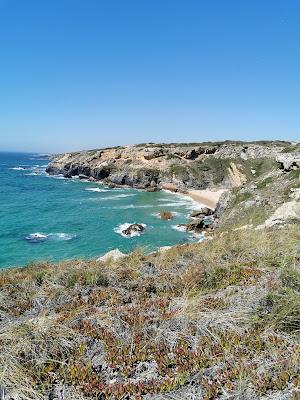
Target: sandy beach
column 207, row 197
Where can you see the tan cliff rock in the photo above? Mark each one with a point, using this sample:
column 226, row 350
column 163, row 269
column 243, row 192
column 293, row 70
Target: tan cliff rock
column 180, row 166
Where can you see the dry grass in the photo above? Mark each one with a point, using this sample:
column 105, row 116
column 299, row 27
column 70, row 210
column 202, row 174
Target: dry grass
column 223, row 314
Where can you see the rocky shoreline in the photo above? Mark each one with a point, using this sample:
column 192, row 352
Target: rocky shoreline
column 173, row 167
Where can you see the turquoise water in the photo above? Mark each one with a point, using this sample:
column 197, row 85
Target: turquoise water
column 50, row 218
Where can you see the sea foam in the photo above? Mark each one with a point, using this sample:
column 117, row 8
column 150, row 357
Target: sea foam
column 96, row 190
column 38, row 237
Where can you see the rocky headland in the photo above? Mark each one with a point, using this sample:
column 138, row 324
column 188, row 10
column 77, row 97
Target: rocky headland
column 173, row 166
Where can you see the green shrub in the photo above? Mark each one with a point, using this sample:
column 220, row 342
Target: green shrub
column 264, row 183
column 290, row 149
column 86, row 278
column 290, row 277
column 282, row 310
column 178, row 170
column 240, row 197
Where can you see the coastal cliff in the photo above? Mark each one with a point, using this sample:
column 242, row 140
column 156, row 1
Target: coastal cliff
column 174, row 166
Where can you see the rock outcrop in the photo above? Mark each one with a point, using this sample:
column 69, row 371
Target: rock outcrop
column 179, row 166
column 205, row 211
column 289, row 211
column 289, row 162
column 114, row 255
column 198, row 225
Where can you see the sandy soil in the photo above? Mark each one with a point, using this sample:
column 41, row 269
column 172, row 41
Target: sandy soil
column 209, row 198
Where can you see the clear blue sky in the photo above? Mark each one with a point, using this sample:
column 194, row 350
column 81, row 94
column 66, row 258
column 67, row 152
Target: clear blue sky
column 78, row 74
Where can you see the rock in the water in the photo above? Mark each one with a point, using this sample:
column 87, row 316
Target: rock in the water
column 133, row 228
column 198, row 225
column 194, row 226
column 166, row 215
column 111, row 255
column 203, row 212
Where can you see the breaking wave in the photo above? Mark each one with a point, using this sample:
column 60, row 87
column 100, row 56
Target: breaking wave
column 38, row 237
column 96, row 190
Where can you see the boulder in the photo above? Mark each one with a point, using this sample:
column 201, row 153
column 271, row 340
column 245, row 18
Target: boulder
column 295, row 194
column 111, row 255
column 151, row 153
column 152, row 189
column 198, row 225
column 194, row 226
column 211, row 150
column 191, row 154
column 203, row 212
column 169, row 186
column 133, row 228
column 288, row 211
column 289, row 162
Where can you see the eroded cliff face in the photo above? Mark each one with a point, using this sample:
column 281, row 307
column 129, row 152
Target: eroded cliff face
column 197, row 166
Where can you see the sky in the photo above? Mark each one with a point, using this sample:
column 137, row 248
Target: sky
column 83, row 74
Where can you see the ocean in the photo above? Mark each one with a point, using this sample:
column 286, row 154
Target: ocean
column 49, row 218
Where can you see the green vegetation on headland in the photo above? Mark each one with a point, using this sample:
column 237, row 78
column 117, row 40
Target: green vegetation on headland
column 218, row 319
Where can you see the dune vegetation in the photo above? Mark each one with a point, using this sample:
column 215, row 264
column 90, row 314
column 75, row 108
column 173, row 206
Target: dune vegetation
column 218, row 319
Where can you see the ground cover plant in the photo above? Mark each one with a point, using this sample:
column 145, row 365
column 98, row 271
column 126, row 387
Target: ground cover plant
column 204, row 321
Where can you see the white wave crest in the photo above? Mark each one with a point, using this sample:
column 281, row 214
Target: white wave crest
column 60, row 176
column 96, row 190
column 175, row 204
column 38, row 237
column 62, row 236
column 179, row 228
column 118, row 196
column 129, row 206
